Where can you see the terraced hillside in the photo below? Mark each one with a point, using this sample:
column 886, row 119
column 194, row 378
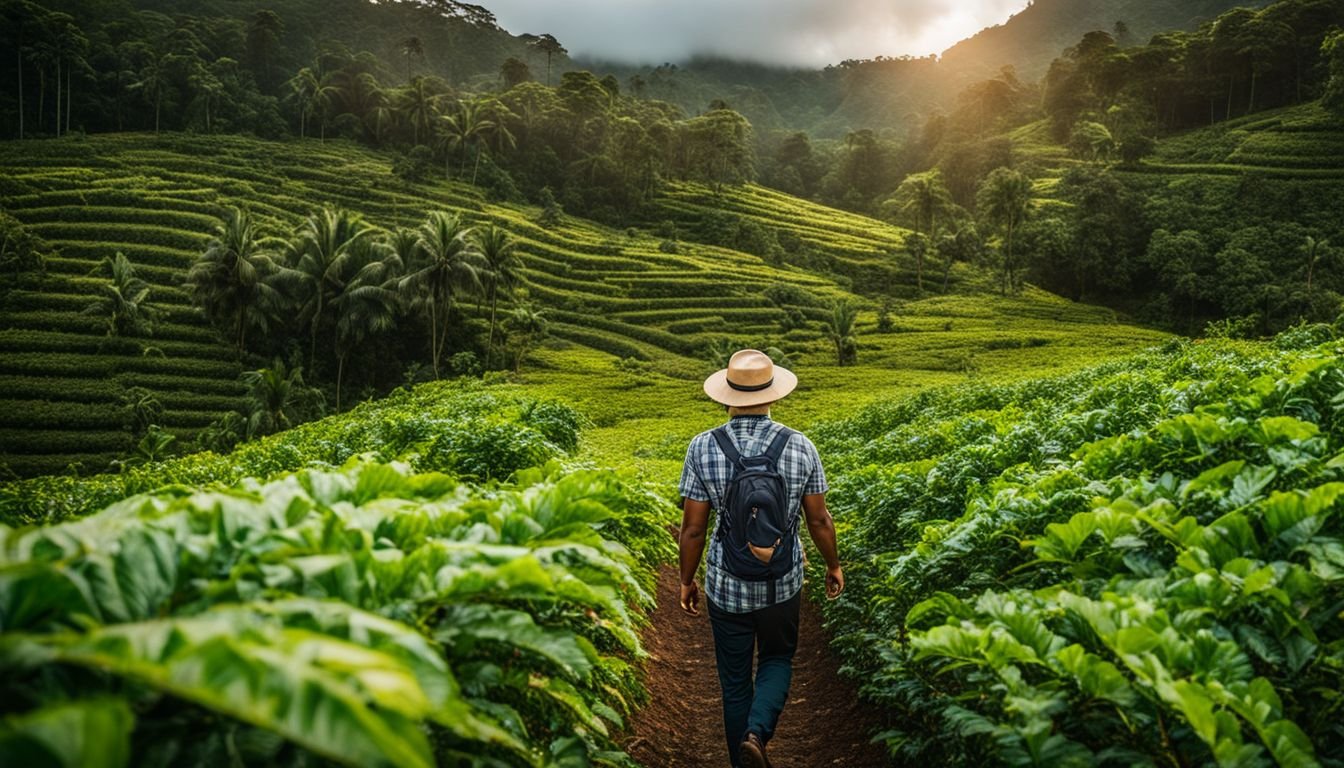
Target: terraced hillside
column 1303, row 145
column 624, row 294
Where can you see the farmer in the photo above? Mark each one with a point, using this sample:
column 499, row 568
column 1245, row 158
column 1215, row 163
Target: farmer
column 757, row 475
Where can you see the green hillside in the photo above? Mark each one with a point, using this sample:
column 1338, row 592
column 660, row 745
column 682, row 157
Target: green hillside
column 1034, row 36
column 619, row 293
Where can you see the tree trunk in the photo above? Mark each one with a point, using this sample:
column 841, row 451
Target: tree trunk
column 1231, row 83
column 158, row 101
column 20, row 57
column 340, row 373
column 312, row 330
column 241, row 332
column 443, row 331
column 434, row 336
column 490, row 343
column 41, row 97
column 477, row 167
column 67, row 99
column 58, row 96
column 1250, row 106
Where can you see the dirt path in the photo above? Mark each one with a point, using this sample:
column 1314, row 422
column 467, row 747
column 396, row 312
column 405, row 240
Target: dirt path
column 824, row 724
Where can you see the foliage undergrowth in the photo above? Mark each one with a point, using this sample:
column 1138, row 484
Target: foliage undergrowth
column 461, row 429
column 378, row 613
column 1142, row 563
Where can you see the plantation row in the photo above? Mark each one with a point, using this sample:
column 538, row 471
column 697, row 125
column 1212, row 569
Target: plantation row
column 398, row 611
column 1141, row 563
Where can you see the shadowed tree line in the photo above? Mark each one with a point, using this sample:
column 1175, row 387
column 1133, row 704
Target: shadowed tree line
column 341, row 299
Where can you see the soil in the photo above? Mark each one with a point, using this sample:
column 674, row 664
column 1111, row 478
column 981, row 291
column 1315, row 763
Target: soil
column 823, row 724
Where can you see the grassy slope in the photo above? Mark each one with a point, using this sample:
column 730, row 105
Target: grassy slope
column 610, row 294
column 1301, row 144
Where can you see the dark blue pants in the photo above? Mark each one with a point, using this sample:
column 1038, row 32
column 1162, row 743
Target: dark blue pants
column 773, row 632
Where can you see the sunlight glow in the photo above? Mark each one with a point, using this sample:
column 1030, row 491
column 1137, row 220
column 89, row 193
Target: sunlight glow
column 799, row 32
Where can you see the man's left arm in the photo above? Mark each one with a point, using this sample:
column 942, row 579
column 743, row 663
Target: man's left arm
column 694, row 524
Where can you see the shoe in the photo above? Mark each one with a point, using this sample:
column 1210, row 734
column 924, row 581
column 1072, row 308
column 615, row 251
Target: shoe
column 752, row 752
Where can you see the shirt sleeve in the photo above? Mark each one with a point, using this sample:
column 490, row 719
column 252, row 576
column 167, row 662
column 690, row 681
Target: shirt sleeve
column 691, row 486
column 816, row 482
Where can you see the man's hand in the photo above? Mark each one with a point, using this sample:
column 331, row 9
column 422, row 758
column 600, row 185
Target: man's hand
column 690, row 598
column 835, row 582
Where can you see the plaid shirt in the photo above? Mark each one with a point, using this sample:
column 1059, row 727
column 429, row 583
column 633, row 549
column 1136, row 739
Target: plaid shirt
column 704, row 477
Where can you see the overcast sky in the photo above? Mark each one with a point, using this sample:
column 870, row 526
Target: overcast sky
column 805, row 32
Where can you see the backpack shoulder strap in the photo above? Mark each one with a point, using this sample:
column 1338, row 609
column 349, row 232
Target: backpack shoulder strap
column 726, row 445
column 777, row 445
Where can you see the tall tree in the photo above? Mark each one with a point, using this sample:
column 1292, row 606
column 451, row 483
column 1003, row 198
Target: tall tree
column 548, row 45
column 20, row 18
column 412, row 47
column 925, row 198
column 840, row 330
column 231, row 281
column 1004, row 201
column 526, row 326
column 263, row 40
column 153, row 79
column 365, row 304
column 500, row 273
column 446, row 262
column 328, row 241
column 419, row 102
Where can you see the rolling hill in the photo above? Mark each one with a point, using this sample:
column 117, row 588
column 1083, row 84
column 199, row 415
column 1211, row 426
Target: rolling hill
column 620, row 294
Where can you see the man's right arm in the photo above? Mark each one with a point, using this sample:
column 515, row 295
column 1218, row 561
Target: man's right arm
column 821, row 528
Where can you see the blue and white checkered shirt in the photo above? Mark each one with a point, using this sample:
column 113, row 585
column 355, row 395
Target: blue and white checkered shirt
column 704, row 477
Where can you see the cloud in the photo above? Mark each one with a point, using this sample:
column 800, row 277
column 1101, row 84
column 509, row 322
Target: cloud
column 803, row 32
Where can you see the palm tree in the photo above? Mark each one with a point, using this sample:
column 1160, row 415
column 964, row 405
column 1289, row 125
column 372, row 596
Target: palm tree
column 420, row 105
column 313, row 93
column 1315, row 248
column 123, row 302
column 366, row 304
column 411, row 46
column 445, row 261
column 1004, row 201
column 143, row 409
column 925, row 197
column 328, row 242
column 475, row 122
column 230, row 282
column 501, row 271
column 527, row 325
column 153, row 78
column 273, row 398
column 840, row 330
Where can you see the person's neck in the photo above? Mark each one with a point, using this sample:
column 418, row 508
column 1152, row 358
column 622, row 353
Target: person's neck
column 748, row 413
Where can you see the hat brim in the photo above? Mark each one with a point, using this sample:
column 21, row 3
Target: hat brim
column 716, row 386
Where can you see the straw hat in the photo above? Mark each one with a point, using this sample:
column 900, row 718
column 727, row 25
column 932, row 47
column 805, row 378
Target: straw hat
column 750, row 379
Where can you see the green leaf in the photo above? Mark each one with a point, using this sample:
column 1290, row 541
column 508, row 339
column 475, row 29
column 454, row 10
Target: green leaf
column 471, row 624
column 347, row 702
column 1095, row 676
column 92, row 733
column 1277, row 429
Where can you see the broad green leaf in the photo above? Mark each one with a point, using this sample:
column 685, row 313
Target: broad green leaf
column 1095, row 676
column 91, row 733
column 1276, row 429
column 344, row 701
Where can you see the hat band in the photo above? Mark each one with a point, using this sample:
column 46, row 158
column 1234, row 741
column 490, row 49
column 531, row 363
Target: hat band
column 745, row 388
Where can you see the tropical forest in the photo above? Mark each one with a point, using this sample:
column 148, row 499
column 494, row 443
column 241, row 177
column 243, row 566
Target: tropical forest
column 350, row 352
